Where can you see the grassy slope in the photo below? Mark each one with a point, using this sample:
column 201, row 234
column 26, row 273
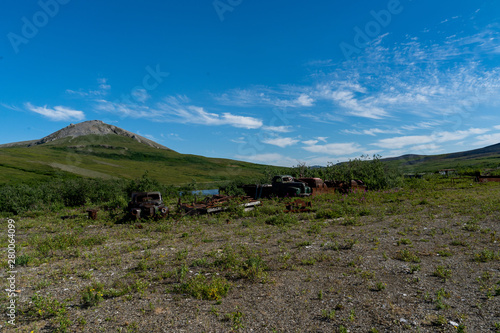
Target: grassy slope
column 125, row 158
column 433, row 163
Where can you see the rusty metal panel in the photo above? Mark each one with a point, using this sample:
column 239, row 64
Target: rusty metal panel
column 298, row 206
column 485, row 179
column 92, row 214
column 216, row 204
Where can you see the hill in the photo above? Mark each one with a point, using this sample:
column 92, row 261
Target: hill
column 487, row 157
column 91, row 127
column 99, row 150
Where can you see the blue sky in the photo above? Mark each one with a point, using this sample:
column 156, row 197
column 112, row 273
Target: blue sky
column 281, row 82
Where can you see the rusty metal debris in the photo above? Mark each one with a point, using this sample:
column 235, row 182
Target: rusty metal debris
column 298, row 206
column 147, row 204
column 287, row 186
column 346, row 187
column 317, row 185
column 66, row 217
column 485, row 179
column 92, row 214
column 216, row 204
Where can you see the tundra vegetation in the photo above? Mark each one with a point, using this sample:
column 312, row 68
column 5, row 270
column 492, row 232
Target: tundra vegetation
column 417, row 255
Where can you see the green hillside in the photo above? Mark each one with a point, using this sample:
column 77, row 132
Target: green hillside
column 113, row 156
column 477, row 159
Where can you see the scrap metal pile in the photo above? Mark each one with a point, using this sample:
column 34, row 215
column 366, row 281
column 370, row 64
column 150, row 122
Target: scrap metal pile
column 288, row 186
column 346, row 187
column 216, row 204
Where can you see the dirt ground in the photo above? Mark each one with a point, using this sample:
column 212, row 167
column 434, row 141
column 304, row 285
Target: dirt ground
column 407, row 260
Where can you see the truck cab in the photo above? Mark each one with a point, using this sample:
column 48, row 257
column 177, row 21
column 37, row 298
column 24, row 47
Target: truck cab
column 285, row 185
column 147, row 204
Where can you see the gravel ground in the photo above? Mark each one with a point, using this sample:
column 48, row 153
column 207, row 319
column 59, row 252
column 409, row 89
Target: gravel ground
column 406, row 266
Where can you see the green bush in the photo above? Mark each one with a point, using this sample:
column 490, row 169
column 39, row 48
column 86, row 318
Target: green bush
column 372, row 172
column 329, row 213
column 282, row 219
column 59, row 193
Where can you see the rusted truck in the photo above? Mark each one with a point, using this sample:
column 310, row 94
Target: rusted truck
column 282, row 186
column 147, row 204
column 317, row 185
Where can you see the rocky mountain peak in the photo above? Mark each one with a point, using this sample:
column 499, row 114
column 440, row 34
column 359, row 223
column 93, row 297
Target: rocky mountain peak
column 95, row 127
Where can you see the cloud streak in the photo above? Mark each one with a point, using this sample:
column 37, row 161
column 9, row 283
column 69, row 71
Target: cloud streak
column 335, row 149
column 178, row 109
column 281, row 142
column 57, row 113
column 438, row 137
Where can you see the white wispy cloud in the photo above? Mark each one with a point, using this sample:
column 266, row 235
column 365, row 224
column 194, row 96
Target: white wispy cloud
column 177, row 109
column 103, row 84
column 269, row 158
column 345, row 94
column 278, row 129
column 421, row 125
column 172, row 136
column 285, row 96
column 426, row 149
column 373, row 131
column 148, row 136
column 487, row 139
column 335, row 149
column 10, row 107
column 280, row 142
column 102, row 90
column 437, row 137
column 420, row 77
column 57, row 113
column 141, row 95
column 304, row 100
column 315, row 140
column 127, row 108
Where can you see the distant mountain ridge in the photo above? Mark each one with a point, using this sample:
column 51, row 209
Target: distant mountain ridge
column 480, row 152
column 481, row 158
column 96, row 127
